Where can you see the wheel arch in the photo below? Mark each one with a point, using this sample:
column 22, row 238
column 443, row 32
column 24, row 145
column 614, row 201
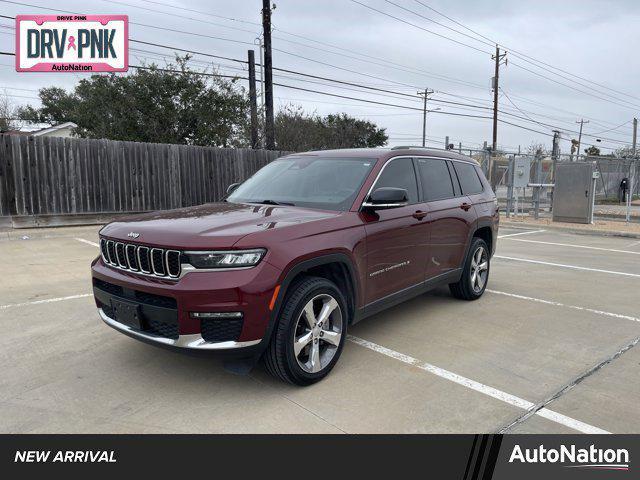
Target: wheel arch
column 312, row 266
column 337, row 267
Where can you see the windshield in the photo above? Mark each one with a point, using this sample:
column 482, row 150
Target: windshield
column 313, row 182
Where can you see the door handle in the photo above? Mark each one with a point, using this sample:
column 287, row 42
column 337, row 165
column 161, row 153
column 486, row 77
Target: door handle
column 419, row 214
column 465, row 206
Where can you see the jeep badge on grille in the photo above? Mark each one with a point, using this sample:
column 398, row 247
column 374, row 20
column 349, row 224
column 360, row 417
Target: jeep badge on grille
column 133, row 235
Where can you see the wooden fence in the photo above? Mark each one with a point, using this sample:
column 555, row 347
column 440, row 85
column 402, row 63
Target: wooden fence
column 49, row 176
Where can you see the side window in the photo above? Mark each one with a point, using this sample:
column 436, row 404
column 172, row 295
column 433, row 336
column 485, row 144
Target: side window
column 469, row 180
column 435, row 178
column 399, row 173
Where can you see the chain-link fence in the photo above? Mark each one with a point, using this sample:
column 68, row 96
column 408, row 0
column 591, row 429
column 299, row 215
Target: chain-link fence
column 615, row 180
column 529, row 191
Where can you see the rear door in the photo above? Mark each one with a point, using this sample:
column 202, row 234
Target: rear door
column 450, row 215
column 397, row 238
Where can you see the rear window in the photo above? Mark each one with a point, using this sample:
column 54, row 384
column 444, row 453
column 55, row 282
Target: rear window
column 468, row 176
column 435, row 178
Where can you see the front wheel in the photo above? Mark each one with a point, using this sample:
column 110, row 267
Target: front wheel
column 475, row 273
column 310, row 333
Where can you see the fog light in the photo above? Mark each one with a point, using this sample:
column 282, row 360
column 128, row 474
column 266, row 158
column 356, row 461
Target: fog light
column 219, row 315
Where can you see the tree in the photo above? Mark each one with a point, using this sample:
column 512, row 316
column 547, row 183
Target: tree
column 624, row 152
column 300, row 131
column 7, row 113
column 165, row 105
column 592, row 151
column 538, row 149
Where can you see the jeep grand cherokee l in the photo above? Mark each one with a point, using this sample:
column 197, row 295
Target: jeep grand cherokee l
column 309, row 245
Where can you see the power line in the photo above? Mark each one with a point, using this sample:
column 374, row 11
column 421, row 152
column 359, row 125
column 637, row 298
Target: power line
column 139, row 24
column 515, row 64
column 517, row 53
column 236, row 60
column 614, row 128
column 489, row 43
column 630, row 106
column 387, row 62
column 419, row 27
column 348, row 97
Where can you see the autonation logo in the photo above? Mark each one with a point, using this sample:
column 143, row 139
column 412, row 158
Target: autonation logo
column 588, row 458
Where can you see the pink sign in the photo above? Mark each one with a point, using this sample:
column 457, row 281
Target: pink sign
column 72, row 43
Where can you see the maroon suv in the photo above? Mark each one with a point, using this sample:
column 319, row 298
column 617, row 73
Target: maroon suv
column 310, row 244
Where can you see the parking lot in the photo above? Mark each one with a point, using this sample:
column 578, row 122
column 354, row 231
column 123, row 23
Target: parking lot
column 548, row 349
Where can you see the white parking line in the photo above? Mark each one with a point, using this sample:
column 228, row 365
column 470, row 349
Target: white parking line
column 93, row 244
column 48, row 300
column 479, row 387
column 521, row 233
column 561, row 265
column 573, row 246
column 453, row 377
column 558, row 304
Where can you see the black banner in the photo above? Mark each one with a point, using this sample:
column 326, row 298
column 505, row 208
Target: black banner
column 462, row 457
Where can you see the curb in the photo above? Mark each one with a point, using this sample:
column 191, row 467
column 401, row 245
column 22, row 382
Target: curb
column 11, row 234
column 578, row 231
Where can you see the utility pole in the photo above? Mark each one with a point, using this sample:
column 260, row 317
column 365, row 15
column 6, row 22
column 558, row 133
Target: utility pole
column 258, row 41
column 496, row 86
column 426, row 94
column 632, row 172
column 253, row 101
column 634, row 145
column 270, row 142
column 555, row 154
column 581, row 122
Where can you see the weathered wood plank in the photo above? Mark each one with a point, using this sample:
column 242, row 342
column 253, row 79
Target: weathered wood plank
column 51, row 176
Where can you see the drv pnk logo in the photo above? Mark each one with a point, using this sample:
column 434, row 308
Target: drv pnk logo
column 72, row 43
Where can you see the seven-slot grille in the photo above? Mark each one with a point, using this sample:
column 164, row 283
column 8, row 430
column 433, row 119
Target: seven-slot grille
column 138, row 258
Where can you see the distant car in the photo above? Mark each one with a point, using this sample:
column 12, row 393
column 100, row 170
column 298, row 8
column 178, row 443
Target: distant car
column 309, row 245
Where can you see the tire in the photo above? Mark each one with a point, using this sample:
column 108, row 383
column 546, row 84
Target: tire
column 323, row 343
column 471, row 287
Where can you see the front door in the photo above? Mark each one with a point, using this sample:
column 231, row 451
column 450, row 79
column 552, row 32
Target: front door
column 397, row 238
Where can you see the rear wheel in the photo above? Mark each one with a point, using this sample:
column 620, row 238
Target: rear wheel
column 475, row 274
column 310, row 333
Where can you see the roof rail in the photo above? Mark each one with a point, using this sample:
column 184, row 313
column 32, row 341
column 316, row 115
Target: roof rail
column 404, row 147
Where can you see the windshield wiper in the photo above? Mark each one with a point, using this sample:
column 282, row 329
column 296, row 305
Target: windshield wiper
column 273, row 202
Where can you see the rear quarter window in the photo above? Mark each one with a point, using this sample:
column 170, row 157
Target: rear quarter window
column 468, row 177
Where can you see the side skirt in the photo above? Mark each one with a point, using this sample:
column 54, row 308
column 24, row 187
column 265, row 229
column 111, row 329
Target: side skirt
column 407, row 294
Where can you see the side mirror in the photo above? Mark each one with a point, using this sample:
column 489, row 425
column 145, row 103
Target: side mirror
column 386, row 197
column 232, row 187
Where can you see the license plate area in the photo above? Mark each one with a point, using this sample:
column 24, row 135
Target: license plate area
column 127, row 313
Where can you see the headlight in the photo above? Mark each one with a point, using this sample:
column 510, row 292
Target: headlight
column 225, row 259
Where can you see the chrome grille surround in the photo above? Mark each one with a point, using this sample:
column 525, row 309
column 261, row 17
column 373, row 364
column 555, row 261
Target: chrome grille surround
column 140, row 259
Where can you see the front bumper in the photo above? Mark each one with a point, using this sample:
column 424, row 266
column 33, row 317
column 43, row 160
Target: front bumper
column 192, row 341
column 165, row 307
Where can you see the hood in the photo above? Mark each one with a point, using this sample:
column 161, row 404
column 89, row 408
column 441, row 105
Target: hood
column 214, row 225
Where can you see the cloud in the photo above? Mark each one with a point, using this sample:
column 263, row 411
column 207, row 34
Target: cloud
column 592, row 39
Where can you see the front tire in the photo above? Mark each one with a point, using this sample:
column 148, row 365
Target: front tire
column 475, row 274
column 310, row 334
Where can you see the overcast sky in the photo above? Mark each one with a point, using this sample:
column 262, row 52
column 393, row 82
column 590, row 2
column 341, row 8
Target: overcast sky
column 591, row 41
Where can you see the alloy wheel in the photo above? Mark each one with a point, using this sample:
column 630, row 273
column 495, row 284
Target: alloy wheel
column 318, row 332
column 479, row 269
